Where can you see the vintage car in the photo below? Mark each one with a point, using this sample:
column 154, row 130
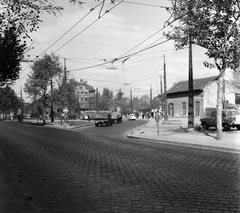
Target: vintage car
column 230, row 119
column 132, row 117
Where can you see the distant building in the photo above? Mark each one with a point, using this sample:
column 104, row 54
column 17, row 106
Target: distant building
column 205, row 96
column 85, row 94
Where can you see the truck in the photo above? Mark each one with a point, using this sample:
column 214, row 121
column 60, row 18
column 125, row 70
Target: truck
column 103, row 118
column 116, row 117
column 230, row 119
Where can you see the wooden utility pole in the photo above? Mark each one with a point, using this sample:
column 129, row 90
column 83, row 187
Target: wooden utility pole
column 151, row 97
column 131, row 100
column 161, row 89
column 65, row 84
column 190, row 88
column 165, row 91
column 97, row 99
column 52, row 111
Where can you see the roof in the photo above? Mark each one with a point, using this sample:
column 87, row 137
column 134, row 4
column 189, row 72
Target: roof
column 88, row 87
column 198, row 84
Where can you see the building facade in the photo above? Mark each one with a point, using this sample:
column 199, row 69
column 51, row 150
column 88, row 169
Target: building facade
column 85, row 94
column 205, row 96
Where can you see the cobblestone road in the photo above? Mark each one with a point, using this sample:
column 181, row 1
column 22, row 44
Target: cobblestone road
column 76, row 172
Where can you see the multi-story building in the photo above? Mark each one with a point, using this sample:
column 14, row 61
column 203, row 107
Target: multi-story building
column 85, row 94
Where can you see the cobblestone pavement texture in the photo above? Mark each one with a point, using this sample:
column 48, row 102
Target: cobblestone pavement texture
column 65, row 171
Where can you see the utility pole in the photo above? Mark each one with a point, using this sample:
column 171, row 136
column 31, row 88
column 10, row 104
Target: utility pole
column 131, row 99
column 151, row 97
column 22, row 104
column 165, row 90
column 190, row 87
column 65, row 109
column 161, row 89
column 97, row 99
column 52, row 112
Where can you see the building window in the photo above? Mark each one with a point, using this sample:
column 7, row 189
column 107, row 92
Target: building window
column 86, row 93
column 197, row 108
column 82, row 99
column 237, row 98
column 184, row 108
column 82, row 93
column 81, row 87
column 86, row 99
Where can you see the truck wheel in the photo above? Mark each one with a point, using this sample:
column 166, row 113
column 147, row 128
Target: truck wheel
column 238, row 127
column 205, row 126
column 226, row 127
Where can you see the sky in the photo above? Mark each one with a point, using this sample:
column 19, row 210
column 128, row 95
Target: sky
column 95, row 48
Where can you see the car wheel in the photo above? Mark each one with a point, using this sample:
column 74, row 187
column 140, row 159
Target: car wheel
column 226, row 127
column 96, row 124
column 205, row 126
column 238, row 127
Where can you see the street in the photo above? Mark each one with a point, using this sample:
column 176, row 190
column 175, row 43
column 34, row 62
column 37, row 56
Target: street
column 85, row 171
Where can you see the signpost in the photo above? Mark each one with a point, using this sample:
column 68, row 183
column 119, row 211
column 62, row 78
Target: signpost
column 65, row 111
column 157, row 118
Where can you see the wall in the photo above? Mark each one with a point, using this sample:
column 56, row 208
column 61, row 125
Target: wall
column 178, row 105
column 210, row 94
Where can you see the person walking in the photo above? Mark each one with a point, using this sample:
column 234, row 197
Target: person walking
column 19, row 112
column 157, row 117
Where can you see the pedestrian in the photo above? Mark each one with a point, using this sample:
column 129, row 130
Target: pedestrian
column 157, row 117
column 19, row 112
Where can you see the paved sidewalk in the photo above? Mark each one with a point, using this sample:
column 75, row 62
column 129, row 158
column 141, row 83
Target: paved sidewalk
column 175, row 132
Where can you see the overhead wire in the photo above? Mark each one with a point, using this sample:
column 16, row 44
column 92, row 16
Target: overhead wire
column 100, row 16
column 92, row 8
column 143, row 4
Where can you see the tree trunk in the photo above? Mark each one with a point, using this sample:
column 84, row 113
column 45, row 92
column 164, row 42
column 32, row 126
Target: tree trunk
column 44, row 114
column 219, row 104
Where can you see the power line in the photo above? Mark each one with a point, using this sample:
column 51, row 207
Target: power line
column 72, row 27
column 144, row 4
column 93, row 8
column 100, row 16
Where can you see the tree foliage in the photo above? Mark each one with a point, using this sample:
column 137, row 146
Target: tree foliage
column 9, row 99
column 39, row 80
column 215, row 26
column 18, row 19
column 105, row 100
column 11, row 53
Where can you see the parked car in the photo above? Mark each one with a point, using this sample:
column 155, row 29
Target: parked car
column 230, row 119
column 131, row 117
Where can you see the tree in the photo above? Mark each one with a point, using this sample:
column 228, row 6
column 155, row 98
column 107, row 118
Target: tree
column 9, row 99
column 118, row 100
column 18, row 18
column 213, row 25
column 39, row 80
column 144, row 102
column 106, row 100
column 11, row 53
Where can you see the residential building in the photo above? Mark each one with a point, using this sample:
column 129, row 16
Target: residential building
column 85, row 94
column 205, row 96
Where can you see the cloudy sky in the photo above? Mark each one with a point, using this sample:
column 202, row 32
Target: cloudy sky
column 90, row 44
